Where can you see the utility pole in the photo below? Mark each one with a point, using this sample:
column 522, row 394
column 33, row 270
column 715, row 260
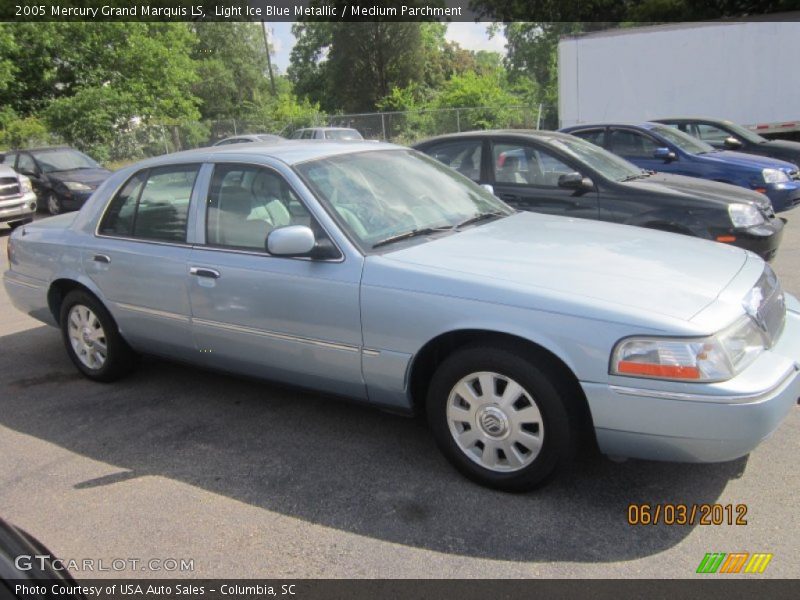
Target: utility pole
column 269, row 59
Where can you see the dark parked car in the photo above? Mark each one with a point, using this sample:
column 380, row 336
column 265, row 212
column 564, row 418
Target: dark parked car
column 250, row 138
column 63, row 178
column 726, row 135
column 665, row 149
column 559, row 174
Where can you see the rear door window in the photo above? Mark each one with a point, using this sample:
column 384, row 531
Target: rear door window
column 595, row 136
column 152, row 205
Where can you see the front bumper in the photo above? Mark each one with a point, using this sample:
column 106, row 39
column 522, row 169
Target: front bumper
column 784, row 196
column 714, row 423
column 764, row 239
column 18, row 209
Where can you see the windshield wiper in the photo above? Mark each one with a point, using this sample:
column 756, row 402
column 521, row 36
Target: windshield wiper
column 410, row 234
column 480, row 217
column 642, row 175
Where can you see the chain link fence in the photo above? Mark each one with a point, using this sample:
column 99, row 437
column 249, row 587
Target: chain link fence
column 146, row 139
column 407, row 127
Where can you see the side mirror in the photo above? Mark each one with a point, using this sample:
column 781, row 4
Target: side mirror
column 732, row 143
column 664, row 154
column 292, row 240
column 488, row 188
column 28, row 173
column 575, row 181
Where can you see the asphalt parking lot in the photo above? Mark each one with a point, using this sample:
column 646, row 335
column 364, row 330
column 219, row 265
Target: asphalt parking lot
column 251, row 480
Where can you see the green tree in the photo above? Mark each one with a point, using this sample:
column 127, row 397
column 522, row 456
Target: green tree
column 231, row 67
column 486, row 94
column 308, row 68
column 367, row 60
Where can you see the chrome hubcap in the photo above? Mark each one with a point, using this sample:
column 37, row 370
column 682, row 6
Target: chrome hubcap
column 495, row 422
column 87, row 337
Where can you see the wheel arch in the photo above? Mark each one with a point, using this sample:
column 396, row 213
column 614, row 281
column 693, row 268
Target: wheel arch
column 60, row 287
column 436, row 350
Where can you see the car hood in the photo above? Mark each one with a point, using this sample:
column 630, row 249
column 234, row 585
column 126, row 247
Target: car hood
column 742, row 159
column 93, row 177
column 574, row 260
column 693, row 187
column 6, row 171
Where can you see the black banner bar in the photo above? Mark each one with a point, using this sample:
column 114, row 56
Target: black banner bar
column 633, row 11
column 709, row 588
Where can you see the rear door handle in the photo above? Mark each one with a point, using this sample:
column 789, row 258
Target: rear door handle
column 101, row 258
column 204, row 272
column 509, row 197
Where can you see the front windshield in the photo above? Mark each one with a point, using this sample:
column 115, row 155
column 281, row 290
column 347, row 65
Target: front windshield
column 604, row 162
column 378, row 195
column 682, row 140
column 343, row 134
column 744, row 133
column 63, row 160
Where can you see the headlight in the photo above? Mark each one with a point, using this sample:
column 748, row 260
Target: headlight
column 76, row 186
column 25, row 185
column 714, row 358
column 774, row 176
column 745, row 215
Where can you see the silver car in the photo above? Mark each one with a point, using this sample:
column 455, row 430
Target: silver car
column 327, row 133
column 373, row 272
column 17, row 198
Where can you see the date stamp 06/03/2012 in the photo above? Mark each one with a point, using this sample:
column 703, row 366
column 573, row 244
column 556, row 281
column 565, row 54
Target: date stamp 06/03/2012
column 686, row 514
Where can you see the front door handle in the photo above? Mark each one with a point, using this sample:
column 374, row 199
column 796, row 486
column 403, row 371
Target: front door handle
column 101, row 258
column 204, row 272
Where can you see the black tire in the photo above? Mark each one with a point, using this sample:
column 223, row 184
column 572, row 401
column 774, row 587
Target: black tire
column 119, row 357
column 560, row 436
column 15, row 224
column 54, row 206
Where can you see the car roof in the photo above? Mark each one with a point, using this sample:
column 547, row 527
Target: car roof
column 635, row 124
column 290, row 152
column 693, row 120
column 42, row 149
column 328, row 128
column 487, row 133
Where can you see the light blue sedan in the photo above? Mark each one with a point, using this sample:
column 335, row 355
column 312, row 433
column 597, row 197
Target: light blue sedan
column 373, row 272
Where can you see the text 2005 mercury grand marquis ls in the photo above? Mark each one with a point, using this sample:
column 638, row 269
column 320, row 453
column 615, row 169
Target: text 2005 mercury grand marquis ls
column 373, row 272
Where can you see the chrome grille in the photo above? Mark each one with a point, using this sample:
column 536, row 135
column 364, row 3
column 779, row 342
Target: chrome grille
column 766, row 305
column 9, row 186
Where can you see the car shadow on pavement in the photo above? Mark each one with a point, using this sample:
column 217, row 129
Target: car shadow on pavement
column 332, row 463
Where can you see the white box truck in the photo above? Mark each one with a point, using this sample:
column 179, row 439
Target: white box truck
column 743, row 71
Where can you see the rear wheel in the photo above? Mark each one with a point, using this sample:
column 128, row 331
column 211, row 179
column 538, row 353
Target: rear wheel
column 499, row 418
column 92, row 340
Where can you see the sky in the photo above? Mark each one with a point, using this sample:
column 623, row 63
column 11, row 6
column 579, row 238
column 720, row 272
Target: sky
column 471, row 36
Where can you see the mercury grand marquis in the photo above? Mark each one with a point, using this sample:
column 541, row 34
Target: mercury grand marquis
column 373, row 272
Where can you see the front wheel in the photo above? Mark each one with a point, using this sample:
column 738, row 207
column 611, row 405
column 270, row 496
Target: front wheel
column 53, row 204
column 499, row 418
column 92, row 340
